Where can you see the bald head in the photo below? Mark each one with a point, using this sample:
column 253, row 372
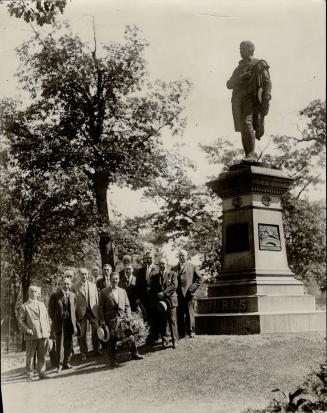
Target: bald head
column 246, row 49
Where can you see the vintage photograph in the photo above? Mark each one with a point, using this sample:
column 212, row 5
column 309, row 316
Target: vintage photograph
column 163, row 206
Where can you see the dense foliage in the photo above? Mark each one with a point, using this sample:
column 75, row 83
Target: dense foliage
column 40, row 12
column 94, row 111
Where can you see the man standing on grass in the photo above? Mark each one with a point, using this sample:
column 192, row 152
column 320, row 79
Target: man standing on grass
column 62, row 311
column 87, row 310
column 115, row 313
column 163, row 288
column 143, row 278
column 189, row 279
column 34, row 321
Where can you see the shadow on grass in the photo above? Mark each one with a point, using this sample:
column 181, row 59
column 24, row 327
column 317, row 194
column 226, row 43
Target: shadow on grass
column 93, row 364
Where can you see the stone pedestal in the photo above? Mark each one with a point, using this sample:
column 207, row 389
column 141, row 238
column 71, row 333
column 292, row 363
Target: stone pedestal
column 256, row 292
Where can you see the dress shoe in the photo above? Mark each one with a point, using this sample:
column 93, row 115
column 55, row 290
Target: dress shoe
column 137, row 356
column 83, row 357
column 67, row 366
column 174, row 345
column 114, row 363
column 165, row 343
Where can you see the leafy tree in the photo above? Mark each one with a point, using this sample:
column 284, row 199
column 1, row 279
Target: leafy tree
column 302, row 158
column 195, row 213
column 305, row 235
column 41, row 12
column 44, row 220
column 189, row 215
column 94, row 112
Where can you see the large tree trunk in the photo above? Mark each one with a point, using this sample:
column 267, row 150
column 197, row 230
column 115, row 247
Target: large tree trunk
column 100, row 183
column 28, row 263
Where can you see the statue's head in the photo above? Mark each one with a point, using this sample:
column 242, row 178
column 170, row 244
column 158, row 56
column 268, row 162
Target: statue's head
column 246, row 49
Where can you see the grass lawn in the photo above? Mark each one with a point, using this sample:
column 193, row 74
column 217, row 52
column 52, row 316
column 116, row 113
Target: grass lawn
column 204, row 374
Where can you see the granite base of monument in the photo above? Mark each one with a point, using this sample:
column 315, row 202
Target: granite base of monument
column 256, row 292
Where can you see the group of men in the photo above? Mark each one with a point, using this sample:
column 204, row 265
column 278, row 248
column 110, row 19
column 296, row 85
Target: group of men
column 163, row 296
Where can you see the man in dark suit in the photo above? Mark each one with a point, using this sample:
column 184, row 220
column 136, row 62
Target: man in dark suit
column 115, row 312
column 189, row 279
column 87, row 310
column 104, row 282
column 127, row 281
column 142, row 285
column 62, row 311
column 163, row 286
column 126, row 262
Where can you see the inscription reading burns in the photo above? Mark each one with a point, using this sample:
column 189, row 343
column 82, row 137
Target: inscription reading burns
column 227, row 306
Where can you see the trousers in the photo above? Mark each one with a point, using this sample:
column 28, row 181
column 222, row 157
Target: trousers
column 88, row 316
column 38, row 347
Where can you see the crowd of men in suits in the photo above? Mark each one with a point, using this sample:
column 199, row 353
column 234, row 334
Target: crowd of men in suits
column 162, row 295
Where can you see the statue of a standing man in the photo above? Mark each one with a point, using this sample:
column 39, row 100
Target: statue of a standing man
column 251, row 86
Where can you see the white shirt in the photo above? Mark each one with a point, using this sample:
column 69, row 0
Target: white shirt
column 115, row 294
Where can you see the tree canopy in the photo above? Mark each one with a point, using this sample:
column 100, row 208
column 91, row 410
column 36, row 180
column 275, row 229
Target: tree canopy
column 40, row 12
column 94, row 110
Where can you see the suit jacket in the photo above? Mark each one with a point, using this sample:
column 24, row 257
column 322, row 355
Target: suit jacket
column 108, row 308
column 130, row 289
column 81, row 299
column 188, row 279
column 101, row 284
column 168, row 286
column 35, row 320
column 142, row 286
column 57, row 307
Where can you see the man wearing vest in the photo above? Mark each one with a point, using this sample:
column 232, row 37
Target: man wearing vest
column 62, row 311
column 163, row 288
column 127, row 281
column 104, row 282
column 34, row 321
column 189, row 279
column 143, row 294
column 251, row 86
column 87, row 310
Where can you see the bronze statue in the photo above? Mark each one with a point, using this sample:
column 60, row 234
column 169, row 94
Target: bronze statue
column 251, row 86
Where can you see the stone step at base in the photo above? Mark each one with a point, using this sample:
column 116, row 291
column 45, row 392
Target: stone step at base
column 256, row 303
column 256, row 287
column 260, row 323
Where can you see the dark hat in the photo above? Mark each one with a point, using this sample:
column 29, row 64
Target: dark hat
column 163, row 305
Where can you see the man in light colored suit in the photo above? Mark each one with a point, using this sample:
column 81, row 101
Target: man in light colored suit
column 189, row 279
column 115, row 312
column 62, row 311
column 34, row 321
column 87, row 310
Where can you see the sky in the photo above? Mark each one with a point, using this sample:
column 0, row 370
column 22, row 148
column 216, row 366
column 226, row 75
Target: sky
column 199, row 40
